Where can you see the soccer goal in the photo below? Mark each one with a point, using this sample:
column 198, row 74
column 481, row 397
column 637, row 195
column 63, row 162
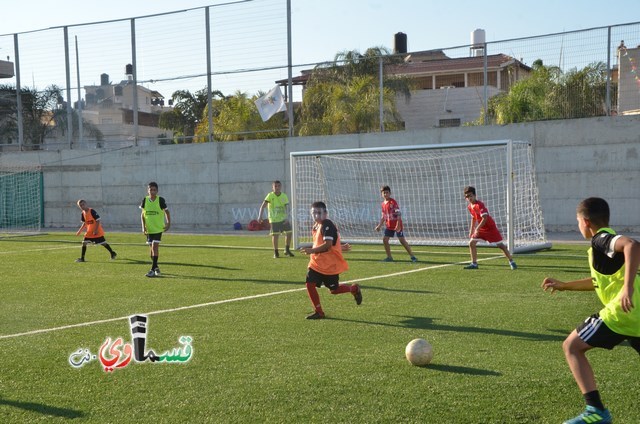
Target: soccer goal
column 21, row 203
column 428, row 182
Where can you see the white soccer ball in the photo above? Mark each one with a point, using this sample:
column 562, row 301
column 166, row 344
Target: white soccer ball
column 419, row 352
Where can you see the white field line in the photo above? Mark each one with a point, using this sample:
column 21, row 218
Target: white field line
column 220, row 302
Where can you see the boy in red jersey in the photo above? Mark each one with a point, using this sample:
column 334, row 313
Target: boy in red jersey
column 326, row 262
column 482, row 227
column 94, row 233
column 393, row 224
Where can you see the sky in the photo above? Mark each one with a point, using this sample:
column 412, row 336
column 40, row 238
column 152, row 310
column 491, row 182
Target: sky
column 321, row 28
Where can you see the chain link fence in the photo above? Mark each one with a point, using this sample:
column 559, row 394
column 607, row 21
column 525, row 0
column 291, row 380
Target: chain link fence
column 195, row 76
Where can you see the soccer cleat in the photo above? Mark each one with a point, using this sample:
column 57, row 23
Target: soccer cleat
column 114, row 255
column 513, row 265
column 156, row 272
column 316, row 315
column 288, row 253
column 414, row 259
column 151, row 273
column 80, row 260
column 358, row 294
column 388, row 259
column 471, row 266
column 592, row 415
column 276, row 255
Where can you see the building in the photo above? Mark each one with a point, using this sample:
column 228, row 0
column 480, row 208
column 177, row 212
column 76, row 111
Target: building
column 109, row 107
column 449, row 91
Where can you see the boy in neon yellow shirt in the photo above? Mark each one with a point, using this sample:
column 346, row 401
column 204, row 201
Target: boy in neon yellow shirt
column 155, row 219
column 277, row 204
column 614, row 261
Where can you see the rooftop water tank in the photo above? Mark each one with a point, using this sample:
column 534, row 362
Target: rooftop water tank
column 400, row 42
column 477, row 42
column 104, row 79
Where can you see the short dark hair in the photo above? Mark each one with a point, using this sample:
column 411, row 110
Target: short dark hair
column 319, row 205
column 385, row 188
column 595, row 210
column 470, row 189
column 276, row 182
column 153, row 184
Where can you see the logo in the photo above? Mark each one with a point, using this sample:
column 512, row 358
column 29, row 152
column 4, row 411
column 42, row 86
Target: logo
column 118, row 354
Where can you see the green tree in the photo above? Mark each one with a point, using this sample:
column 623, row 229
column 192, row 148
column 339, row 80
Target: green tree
column 43, row 113
column 187, row 112
column 237, row 118
column 343, row 96
column 551, row 94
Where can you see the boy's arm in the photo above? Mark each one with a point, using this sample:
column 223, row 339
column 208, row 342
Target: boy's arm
column 631, row 250
column 472, row 227
column 481, row 223
column 144, row 225
column 97, row 227
column 262, row 206
column 168, row 220
column 325, row 247
column 586, row 284
column 380, row 224
column 84, row 224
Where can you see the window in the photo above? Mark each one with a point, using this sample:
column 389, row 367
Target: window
column 445, row 123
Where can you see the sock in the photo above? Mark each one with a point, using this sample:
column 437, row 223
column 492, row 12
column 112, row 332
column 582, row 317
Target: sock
column 84, row 250
column 593, row 399
column 106, row 246
column 154, row 260
column 314, row 297
column 342, row 288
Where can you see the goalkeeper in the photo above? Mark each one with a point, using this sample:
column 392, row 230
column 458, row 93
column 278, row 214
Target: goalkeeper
column 393, row 224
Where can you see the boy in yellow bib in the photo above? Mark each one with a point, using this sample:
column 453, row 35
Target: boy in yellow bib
column 156, row 219
column 614, row 261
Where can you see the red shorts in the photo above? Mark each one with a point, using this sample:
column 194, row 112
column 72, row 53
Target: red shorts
column 490, row 234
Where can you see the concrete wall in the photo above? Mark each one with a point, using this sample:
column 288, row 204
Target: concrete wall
column 210, row 186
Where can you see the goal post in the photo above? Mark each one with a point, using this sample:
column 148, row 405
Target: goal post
column 21, row 199
column 428, row 182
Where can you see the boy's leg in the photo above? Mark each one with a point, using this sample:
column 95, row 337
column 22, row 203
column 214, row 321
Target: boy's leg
column 387, row 247
column 312, row 291
column 473, row 250
column 354, row 289
column 274, row 242
column 403, row 242
column 83, row 252
column 504, row 249
column 111, row 251
column 574, row 351
column 287, row 243
column 155, row 252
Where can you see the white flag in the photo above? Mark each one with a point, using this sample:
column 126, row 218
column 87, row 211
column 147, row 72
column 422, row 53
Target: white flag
column 271, row 103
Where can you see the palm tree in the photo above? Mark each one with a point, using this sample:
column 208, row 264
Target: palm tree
column 343, row 96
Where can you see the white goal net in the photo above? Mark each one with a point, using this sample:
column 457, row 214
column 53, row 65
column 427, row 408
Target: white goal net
column 427, row 181
column 21, row 205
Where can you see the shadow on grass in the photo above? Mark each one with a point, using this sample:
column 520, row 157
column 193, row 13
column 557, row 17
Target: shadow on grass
column 461, row 370
column 43, row 409
column 162, row 263
column 298, row 283
column 425, row 323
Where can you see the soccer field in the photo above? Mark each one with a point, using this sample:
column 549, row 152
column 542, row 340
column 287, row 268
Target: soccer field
column 252, row 356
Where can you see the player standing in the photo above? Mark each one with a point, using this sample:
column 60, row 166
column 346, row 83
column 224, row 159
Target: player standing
column 482, row 227
column 391, row 217
column 94, row 232
column 153, row 215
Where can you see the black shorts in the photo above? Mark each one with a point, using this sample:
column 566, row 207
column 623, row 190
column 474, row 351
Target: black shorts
column 94, row 240
column 154, row 238
column 594, row 332
column 329, row 281
column 280, row 227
